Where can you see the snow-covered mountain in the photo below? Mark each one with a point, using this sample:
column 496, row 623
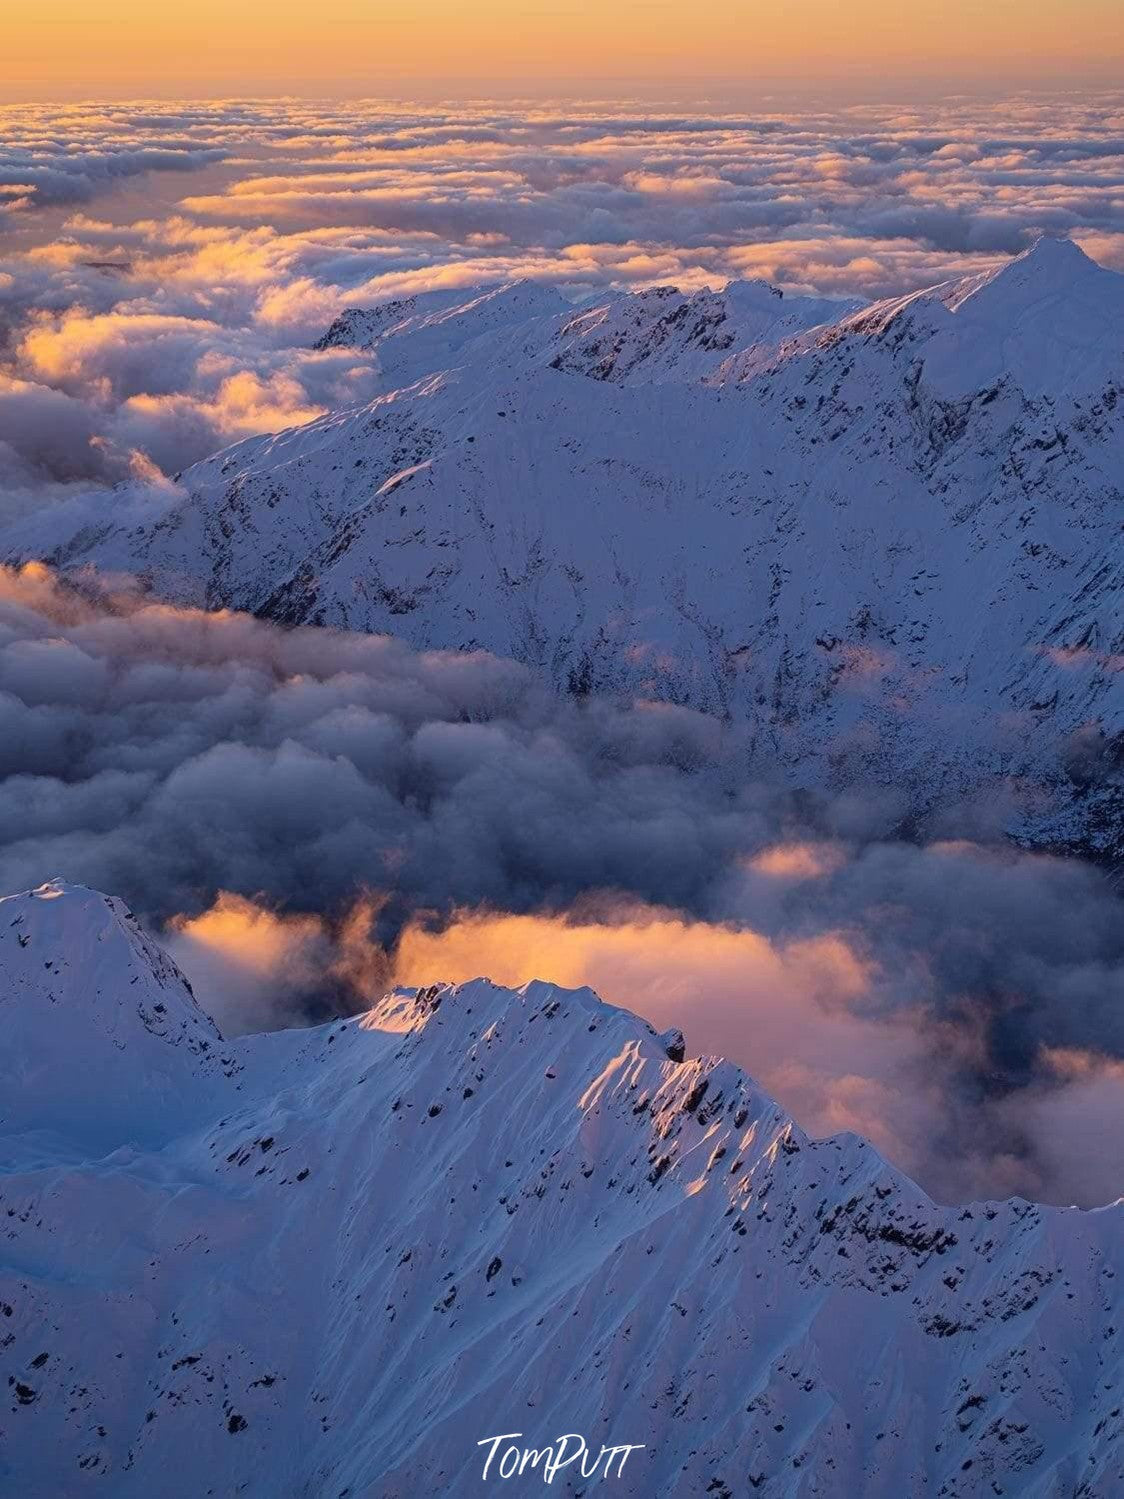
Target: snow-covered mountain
column 332, row 1261
column 661, row 334
column 889, row 538
column 414, row 336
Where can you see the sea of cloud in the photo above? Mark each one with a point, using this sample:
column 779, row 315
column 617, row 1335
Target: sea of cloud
column 165, row 268
column 305, row 816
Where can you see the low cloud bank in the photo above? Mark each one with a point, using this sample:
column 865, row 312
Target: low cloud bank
column 306, row 816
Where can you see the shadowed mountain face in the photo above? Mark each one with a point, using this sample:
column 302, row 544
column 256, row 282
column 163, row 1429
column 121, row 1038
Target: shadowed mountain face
column 887, row 538
column 333, row 1261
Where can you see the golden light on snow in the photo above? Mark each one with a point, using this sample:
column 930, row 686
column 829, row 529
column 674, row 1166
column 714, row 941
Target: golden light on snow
column 787, row 1012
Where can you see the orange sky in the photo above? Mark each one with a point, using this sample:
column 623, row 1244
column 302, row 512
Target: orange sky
column 69, row 48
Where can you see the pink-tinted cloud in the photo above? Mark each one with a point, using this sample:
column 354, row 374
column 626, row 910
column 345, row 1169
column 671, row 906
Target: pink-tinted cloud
column 285, row 212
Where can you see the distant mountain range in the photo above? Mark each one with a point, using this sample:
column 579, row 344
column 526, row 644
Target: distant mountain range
column 331, row 1262
column 888, row 537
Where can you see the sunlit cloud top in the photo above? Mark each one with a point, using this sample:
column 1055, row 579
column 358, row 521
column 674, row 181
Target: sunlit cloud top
column 167, row 267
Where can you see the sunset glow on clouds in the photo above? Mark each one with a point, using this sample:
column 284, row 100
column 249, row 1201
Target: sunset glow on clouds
column 306, row 815
column 165, row 272
column 165, row 268
column 811, row 1017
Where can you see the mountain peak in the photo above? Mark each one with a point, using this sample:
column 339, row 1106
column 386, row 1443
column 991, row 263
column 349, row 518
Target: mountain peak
column 1056, row 252
column 56, row 888
column 1047, row 319
column 1053, row 266
column 136, row 1049
column 752, row 289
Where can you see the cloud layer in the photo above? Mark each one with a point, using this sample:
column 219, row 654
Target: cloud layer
column 170, row 264
column 307, row 815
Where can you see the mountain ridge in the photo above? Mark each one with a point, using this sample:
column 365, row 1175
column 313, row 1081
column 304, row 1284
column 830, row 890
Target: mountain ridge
column 532, row 1214
column 889, row 542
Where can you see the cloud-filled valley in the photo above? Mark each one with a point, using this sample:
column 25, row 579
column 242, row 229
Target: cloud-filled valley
column 305, row 815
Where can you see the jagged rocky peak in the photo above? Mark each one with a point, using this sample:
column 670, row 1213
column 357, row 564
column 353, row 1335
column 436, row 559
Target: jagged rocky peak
column 673, row 1043
column 663, row 334
column 100, row 1027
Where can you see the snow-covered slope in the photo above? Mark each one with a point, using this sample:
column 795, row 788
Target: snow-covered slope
column 1050, row 322
column 416, row 335
column 135, row 1057
column 659, row 334
column 664, row 334
column 890, row 541
column 472, row 1211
